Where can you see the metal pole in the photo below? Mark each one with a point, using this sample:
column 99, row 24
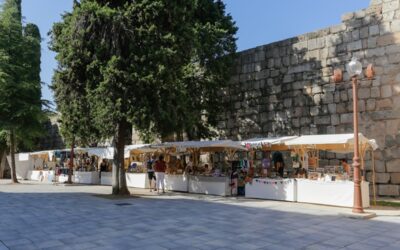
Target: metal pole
column 357, row 205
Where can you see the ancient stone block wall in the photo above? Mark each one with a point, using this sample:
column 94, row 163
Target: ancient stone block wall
column 286, row 88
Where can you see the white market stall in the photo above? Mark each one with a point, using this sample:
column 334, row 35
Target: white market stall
column 175, row 177
column 329, row 191
column 133, row 179
column 213, row 184
column 177, row 182
column 264, row 187
column 41, row 166
column 93, row 176
column 89, row 177
column 137, row 177
column 46, row 163
column 272, row 189
column 41, row 175
column 137, row 180
column 106, row 178
column 210, row 185
column 337, row 193
column 23, row 163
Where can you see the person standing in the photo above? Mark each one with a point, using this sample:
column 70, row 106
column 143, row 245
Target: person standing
column 150, row 173
column 160, row 167
column 103, row 166
column 346, row 167
column 279, row 163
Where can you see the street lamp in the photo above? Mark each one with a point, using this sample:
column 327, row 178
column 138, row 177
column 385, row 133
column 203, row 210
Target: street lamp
column 354, row 68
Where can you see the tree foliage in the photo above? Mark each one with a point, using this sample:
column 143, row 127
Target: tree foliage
column 154, row 64
column 20, row 96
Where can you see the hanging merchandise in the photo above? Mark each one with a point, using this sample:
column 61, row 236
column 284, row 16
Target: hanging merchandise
column 305, row 160
column 266, row 163
column 273, row 182
column 295, row 159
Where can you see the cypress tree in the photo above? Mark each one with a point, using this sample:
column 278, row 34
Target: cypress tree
column 20, row 97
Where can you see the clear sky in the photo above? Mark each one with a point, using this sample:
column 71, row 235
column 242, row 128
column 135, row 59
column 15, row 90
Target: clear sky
column 259, row 21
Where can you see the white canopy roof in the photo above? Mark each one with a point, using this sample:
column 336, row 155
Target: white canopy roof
column 50, row 153
column 183, row 145
column 259, row 142
column 145, row 148
column 341, row 141
column 105, row 153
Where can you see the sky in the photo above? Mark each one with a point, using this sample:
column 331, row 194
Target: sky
column 259, row 22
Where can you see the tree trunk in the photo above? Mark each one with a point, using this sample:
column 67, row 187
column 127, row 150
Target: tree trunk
column 115, row 168
column 71, row 163
column 13, row 169
column 120, row 146
column 2, row 164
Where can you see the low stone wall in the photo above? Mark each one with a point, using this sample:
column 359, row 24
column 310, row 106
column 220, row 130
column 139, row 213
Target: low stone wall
column 286, row 88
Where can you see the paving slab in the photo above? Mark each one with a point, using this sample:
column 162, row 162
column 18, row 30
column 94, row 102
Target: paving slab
column 43, row 216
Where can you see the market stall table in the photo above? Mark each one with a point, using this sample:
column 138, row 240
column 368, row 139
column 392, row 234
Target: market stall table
column 177, row 182
column 137, row 180
column 86, row 177
column 335, row 193
column 106, row 178
column 272, row 189
column 62, row 178
column 210, row 185
column 41, row 175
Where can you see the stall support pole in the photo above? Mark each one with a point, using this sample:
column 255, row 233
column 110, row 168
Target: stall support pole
column 357, row 205
column 373, row 176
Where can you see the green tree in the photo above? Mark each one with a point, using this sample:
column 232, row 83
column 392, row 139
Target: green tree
column 20, row 98
column 3, row 150
column 191, row 101
column 132, row 62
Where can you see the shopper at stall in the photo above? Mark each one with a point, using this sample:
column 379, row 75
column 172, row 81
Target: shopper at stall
column 346, row 167
column 279, row 163
column 189, row 166
column 159, row 167
column 103, row 165
column 150, row 173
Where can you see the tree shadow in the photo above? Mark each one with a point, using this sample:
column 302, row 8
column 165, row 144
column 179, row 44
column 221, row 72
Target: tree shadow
column 79, row 220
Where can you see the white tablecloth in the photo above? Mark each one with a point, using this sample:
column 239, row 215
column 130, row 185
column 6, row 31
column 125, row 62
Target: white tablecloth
column 177, row 182
column 209, row 185
column 86, row 177
column 283, row 190
column 41, row 175
column 106, row 178
column 337, row 193
column 137, row 180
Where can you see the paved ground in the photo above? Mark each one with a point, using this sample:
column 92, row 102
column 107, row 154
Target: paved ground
column 43, row 216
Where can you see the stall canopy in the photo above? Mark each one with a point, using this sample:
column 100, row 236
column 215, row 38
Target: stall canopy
column 105, row 153
column 137, row 149
column 202, row 145
column 340, row 143
column 272, row 142
column 46, row 155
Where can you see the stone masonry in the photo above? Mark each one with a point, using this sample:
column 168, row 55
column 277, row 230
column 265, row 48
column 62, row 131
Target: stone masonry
column 286, row 88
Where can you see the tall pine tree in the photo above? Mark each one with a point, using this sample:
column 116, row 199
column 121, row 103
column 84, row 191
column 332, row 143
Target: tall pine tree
column 20, row 95
column 140, row 63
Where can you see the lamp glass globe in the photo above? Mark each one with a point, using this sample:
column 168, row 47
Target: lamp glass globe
column 354, row 67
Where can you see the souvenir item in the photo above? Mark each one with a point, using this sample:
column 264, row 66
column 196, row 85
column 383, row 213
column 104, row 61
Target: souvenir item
column 266, row 163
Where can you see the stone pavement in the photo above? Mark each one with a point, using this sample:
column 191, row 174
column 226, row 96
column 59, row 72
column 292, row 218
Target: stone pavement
column 44, row 216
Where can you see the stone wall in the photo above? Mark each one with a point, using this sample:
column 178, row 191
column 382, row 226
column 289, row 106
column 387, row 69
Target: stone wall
column 286, row 88
column 52, row 138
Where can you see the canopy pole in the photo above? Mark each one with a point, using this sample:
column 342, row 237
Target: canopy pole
column 362, row 156
column 373, row 175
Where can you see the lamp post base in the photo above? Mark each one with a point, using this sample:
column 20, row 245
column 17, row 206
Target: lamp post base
column 359, row 216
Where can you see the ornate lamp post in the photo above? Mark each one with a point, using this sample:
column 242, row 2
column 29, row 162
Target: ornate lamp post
column 354, row 68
